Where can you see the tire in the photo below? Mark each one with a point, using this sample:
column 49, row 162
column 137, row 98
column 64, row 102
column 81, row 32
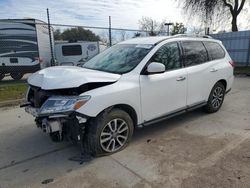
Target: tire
column 216, row 98
column 99, row 139
column 2, row 75
column 16, row 75
column 55, row 137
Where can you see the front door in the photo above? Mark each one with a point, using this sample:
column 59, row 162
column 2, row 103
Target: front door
column 164, row 93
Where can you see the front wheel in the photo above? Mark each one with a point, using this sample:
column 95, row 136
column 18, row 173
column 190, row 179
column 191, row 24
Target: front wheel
column 16, row 75
column 216, row 98
column 109, row 132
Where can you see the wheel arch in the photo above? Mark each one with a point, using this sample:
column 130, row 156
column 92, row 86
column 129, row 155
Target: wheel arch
column 128, row 109
column 224, row 82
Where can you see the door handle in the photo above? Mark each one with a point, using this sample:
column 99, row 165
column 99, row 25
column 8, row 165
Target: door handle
column 213, row 70
column 181, row 78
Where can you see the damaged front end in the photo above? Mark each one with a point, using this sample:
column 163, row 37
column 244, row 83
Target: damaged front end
column 55, row 111
column 55, row 95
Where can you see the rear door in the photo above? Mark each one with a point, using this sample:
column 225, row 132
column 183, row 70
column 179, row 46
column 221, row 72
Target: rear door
column 201, row 72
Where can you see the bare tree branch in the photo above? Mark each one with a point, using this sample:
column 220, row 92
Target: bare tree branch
column 206, row 9
column 228, row 5
column 241, row 6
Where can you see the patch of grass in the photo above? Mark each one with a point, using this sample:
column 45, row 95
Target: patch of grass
column 242, row 70
column 12, row 91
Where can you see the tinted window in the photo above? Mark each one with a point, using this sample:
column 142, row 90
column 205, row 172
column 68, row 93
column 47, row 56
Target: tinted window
column 215, row 51
column 194, row 53
column 168, row 55
column 72, row 50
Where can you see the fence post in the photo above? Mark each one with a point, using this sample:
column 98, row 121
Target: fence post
column 248, row 52
column 50, row 40
column 110, row 37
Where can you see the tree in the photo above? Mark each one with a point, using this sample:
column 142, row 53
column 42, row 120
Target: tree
column 57, row 34
column 178, row 28
column 207, row 8
column 196, row 30
column 149, row 25
column 77, row 34
column 123, row 35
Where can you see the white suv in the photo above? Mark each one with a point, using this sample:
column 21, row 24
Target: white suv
column 134, row 83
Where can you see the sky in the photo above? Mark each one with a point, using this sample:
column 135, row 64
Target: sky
column 124, row 13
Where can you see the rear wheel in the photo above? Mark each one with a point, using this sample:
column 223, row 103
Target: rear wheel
column 16, row 75
column 109, row 132
column 2, row 75
column 216, row 98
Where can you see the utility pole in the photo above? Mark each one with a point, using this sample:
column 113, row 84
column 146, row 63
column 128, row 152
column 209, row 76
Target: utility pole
column 168, row 26
column 50, row 40
column 110, row 37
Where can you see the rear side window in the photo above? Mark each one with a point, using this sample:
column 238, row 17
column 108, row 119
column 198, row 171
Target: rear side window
column 71, row 50
column 194, row 53
column 215, row 51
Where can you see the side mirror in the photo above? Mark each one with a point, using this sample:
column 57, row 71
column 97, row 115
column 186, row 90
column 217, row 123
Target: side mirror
column 156, row 68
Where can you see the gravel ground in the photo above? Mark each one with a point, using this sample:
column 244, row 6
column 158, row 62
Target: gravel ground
column 192, row 150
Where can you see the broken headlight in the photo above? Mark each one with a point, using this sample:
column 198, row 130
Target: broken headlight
column 59, row 104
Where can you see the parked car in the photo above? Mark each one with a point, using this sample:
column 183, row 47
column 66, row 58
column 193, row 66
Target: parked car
column 132, row 84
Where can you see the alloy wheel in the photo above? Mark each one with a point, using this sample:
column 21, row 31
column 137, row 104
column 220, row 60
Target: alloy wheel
column 217, row 97
column 114, row 135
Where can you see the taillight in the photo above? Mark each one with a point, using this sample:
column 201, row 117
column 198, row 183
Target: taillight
column 232, row 63
column 40, row 60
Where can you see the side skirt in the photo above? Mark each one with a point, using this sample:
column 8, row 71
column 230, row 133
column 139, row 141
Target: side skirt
column 173, row 114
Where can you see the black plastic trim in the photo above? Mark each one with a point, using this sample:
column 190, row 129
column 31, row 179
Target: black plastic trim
column 173, row 114
column 228, row 90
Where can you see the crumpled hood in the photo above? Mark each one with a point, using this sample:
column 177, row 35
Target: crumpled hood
column 61, row 77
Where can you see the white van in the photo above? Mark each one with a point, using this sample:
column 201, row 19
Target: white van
column 24, row 47
column 75, row 53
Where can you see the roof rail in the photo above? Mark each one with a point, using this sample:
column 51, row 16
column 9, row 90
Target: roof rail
column 193, row 35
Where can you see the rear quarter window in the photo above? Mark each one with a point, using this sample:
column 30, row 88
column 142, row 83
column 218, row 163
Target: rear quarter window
column 215, row 51
column 194, row 53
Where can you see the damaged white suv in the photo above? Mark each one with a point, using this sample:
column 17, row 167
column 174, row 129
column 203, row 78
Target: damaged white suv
column 134, row 83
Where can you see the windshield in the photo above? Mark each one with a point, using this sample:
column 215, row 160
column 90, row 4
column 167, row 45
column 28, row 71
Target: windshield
column 119, row 59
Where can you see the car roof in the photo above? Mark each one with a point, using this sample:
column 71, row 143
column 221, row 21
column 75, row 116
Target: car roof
column 157, row 39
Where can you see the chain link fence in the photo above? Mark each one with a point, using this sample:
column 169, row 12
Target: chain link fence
column 28, row 45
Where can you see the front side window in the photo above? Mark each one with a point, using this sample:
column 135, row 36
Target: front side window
column 168, row 55
column 215, row 51
column 194, row 53
column 119, row 59
column 70, row 50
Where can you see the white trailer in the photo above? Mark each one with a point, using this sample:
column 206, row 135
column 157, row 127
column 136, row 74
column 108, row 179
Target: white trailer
column 24, row 47
column 76, row 53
